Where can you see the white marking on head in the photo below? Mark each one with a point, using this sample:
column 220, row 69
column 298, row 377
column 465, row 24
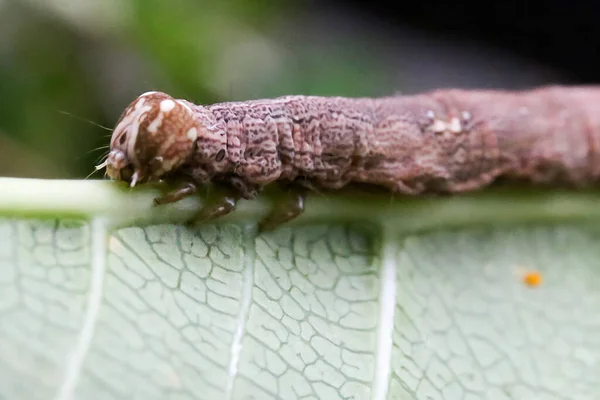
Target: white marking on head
column 167, row 105
column 148, row 93
column 156, row 123
column 164, row 108
column 466, row 115
column 430, row 114
column 192, row 134
column 129, row 126
column 185, row 105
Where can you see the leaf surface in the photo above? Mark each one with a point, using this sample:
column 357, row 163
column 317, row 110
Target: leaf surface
column 103, row 296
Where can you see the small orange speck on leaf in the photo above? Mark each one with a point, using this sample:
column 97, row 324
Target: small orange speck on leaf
column 532, row 278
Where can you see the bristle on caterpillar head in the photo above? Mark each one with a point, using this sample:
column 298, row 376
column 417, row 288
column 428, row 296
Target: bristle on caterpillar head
column 154, row 135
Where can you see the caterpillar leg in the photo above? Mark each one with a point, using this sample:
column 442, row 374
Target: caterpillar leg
column 223, row 202
column 285, row 210
column 225, row 199
column 178, row 194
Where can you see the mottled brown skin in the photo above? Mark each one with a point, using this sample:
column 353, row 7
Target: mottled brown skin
column 445, row 141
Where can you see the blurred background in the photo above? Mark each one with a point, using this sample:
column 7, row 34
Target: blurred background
column 67, row 66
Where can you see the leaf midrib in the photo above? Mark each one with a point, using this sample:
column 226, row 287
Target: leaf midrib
column 122, row 206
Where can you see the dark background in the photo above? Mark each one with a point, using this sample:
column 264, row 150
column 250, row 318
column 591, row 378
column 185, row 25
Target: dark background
column 559, row 33
column 67, row 63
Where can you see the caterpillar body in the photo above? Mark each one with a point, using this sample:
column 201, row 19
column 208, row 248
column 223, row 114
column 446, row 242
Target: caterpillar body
column 443, row 141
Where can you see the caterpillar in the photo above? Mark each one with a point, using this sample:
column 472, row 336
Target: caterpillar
column 442, row 141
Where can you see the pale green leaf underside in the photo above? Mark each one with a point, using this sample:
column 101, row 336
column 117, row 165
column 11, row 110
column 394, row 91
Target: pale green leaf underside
column 338, row 307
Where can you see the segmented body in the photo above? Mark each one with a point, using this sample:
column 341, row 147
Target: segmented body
column 442, row 141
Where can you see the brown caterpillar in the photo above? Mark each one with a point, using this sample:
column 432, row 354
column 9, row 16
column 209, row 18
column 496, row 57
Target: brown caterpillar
column 444, row 141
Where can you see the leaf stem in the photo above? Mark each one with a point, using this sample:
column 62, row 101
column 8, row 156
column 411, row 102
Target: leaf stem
column 121, row 206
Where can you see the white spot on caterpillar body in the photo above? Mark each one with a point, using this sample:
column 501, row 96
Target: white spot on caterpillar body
column 455, row 126
column 192, row 134
column 438, row 126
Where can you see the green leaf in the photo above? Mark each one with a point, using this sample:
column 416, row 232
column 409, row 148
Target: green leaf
column 104, row 296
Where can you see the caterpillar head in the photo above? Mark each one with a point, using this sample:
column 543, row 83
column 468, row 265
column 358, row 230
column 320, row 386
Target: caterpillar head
column 154, row 135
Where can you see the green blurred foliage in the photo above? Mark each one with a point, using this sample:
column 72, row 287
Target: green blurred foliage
column 66, row 65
